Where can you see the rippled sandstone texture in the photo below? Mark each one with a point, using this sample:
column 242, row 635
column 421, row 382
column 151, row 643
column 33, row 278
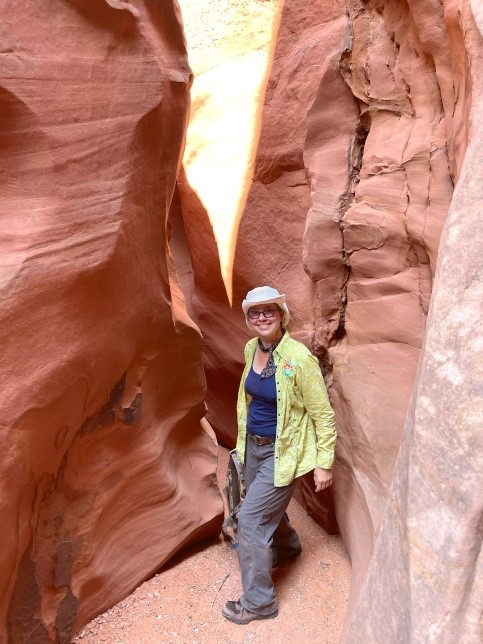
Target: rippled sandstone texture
column 107, row 467
column 424, row 582
column 365, row 124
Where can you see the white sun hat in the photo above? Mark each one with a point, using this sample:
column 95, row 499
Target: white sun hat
column 266, row 295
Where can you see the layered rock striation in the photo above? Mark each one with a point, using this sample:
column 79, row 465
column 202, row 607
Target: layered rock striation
column 107, row 466
column 424, row 580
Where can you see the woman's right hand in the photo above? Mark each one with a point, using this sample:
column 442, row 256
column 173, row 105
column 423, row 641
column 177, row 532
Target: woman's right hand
column 322, row 478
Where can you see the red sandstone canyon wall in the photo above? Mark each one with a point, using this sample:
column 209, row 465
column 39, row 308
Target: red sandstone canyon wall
column 365, row 123
column 424, row 580
column 108, row 272
column 107, row 466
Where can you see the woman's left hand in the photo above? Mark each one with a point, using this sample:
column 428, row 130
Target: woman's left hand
column 322, row 478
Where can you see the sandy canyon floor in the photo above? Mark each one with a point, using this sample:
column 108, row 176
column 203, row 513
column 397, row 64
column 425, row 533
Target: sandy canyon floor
column 182, row 603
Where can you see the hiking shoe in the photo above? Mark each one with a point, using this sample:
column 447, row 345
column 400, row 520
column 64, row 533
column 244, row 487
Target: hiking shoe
column 235, row 612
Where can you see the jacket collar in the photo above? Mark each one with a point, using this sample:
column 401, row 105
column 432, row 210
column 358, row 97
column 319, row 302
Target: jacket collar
column 283, row 342
column 280, row 346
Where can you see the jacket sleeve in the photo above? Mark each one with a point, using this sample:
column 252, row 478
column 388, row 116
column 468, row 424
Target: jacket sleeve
column 316, row 402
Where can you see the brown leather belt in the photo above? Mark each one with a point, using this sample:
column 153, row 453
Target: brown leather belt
column 262, row 440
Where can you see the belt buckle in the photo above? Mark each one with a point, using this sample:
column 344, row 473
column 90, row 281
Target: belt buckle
column 263, row 440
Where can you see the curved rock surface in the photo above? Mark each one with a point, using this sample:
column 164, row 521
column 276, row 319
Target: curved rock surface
column 364, row 129
column 107, row 467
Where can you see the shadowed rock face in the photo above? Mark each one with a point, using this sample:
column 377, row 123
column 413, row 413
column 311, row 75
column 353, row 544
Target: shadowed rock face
column 424, row 581
column 365, row 125
column 107, row 466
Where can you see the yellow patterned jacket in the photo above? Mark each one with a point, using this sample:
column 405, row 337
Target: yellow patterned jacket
column 305, row 421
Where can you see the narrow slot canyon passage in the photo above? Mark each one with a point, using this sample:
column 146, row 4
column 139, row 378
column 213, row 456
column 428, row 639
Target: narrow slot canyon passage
column 182, row 603
column 160, row 160
column 275, row 116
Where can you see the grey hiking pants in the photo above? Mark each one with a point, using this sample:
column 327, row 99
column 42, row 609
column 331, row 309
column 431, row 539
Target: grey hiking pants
column 263, row 529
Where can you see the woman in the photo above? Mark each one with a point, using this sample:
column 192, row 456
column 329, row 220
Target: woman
column 286, row 428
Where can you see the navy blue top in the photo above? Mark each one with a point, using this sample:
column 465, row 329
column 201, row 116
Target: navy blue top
column 262, row 413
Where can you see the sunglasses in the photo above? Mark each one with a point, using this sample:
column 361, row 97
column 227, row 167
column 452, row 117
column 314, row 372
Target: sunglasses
column 253, row 314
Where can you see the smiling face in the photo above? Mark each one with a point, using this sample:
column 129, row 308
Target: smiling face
column 267, row 327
